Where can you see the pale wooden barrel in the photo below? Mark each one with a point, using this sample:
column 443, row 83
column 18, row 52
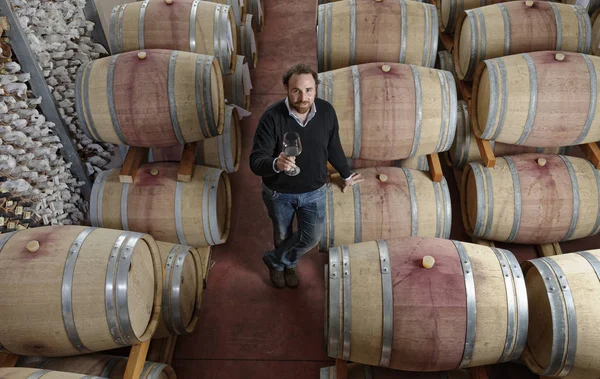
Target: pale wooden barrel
column 184, row 25
column 537, row 83
column 416, row 163
column 34, row 373
column 407, row 204
column 521, row 201
column 464, row 149
column 358, row 371
column 238, row 85
column 105, row 366
column 415, row 115
column 543, row 26
column 247, row 42
column 196, row 213
column 385, row 309
column 564, row 293
column 444, row 62
column 450, row 10
column 182, row 290
column 87, row 289
column 239, row 10
column 166, row 98
column 255, row 7
column 595, row 33
column 352, row 32
column 590, row 6
column 222, row 152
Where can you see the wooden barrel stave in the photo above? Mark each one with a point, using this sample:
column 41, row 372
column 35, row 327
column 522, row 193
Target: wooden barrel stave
column 530, row 116
column 247, row 42
column 237, row 89
column 464, row 149
column 150, row 108
column 552, row 24
column 239, row 11
column 408, row 199
column 85, row 318
column 105, row 366
column 184, row 25
column 525, row 204
column 484, row 318
column 419, row 103
column 563, row 291
column 348, row 26
column 195, row 213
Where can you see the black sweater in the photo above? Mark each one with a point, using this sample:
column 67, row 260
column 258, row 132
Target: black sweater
column 320, row 143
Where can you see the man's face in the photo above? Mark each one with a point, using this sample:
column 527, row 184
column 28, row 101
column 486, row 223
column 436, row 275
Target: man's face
column 301, row 92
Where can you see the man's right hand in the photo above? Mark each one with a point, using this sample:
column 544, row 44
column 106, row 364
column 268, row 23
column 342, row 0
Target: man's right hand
column 285, row 163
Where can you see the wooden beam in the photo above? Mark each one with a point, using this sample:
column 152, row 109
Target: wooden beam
column 341, row 369
column 592, row 153
column 137, row 359
column 8, row 360
column 134, row 158
column 435, row 167
column 486, row 152
column 548, row 249
column 447, row 41
column 186, row 166
column 20, row 47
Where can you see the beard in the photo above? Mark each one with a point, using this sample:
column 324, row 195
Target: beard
column 300, row 106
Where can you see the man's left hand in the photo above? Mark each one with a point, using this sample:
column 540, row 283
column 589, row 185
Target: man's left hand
column 352, row 180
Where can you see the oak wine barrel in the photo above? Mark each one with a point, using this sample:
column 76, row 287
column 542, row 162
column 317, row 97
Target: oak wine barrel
column 464, row 149
column 182, row 290
column 444, row 62
column 105, row 366
column 87, row 289
column 247, row 42
column 195, row 213
column 531, row 199
column 358, row 371
column 552, row 102
column 408, row 203
column 32, row 373
column 450, row 10
column 158, row 98
column 541, row 26
column 391, row 111
column 222, row 152
column 590, row 6
column 238, row 7
column 385, row 309
column 416, row 163
column 352, row 32
column 196, row 26
column 564, row 293
column 238, row 85
column 257, row 10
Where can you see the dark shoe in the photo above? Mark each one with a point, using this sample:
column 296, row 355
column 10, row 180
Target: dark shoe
column 291, row 278
column 276, row 276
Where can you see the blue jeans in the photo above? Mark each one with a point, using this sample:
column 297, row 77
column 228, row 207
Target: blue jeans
column 309, row 208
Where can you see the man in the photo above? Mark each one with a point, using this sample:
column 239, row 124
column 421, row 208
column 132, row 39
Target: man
column 303, row 195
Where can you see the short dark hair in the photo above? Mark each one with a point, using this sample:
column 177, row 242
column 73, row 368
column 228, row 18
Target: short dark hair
column 300, row 68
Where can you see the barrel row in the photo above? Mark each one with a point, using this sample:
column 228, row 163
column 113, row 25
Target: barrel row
column 127, row 297
column 407, row 203
column 346, row 35
column 416, row 111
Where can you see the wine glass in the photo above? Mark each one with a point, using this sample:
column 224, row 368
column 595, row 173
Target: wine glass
column 292, row 147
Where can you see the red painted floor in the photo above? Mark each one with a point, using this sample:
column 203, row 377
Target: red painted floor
column 247, row 328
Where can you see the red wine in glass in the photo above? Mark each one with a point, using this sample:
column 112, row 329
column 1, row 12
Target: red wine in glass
column 292, row 147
